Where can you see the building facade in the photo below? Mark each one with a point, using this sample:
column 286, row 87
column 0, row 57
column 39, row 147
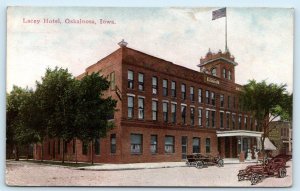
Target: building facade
column 166, row 111
column 281, row 136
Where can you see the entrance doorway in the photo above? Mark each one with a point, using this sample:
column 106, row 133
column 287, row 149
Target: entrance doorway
column 227, row 147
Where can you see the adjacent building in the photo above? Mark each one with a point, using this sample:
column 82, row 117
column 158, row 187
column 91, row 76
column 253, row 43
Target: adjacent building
column 166, row 111
column 281, row 136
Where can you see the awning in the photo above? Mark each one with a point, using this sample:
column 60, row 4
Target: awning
column 269, row 145
column 239, row 133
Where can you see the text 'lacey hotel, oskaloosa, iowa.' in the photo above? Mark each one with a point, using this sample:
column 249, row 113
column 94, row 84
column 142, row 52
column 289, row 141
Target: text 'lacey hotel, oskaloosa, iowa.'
column 166, row 111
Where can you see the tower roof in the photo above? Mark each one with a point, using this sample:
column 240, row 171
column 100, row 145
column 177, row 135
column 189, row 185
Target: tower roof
column 211, row 57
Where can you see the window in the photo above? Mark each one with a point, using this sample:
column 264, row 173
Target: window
column 221, row 120
column 136, row 141
column 214, row 72
column 183, row 91
column 97, row 147
column 246, row 123
column 74, row 144
column 207, row 118
column 153, row 146
column 227, row 120
column 141, row 82
column 200, row 96
column 84, row 148
column 154, row 85
column 141, row 108
column 229, row 75
column 251, row 123
column 58, row 146
column 213, row 100
column 165, row 87
column 192, row 116
column 192, row 97
column 66, row 147
column 256, row 125
column 224, row 73
column 173, row 113
column 207, row 145
column 154, row 110
column 165, row 111
column 233, row 121
column 112, row 79
column 228, row 102
column 184, row 141
column 169, row 144
column 130, row 79
column 213, row 119
column 221, row 100
column 196, row 145
column 130, row 107
column 49, row 148
column 207, row 97
column 183, row 114
column 173, row 89
column 200, row 117
column 113, row 143
column 240, row 122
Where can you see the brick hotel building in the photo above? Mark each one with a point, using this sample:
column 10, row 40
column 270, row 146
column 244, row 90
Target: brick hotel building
column 165, row 111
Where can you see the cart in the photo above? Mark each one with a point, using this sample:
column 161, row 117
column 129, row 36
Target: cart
column 200, row 161
column 256, row 173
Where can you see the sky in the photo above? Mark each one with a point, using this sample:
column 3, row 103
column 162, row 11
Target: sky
column 261, row 39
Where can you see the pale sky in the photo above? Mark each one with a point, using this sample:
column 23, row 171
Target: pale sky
column 261, row 39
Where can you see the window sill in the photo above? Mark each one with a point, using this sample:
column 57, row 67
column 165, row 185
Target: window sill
column 135, row 154
column 169, row 153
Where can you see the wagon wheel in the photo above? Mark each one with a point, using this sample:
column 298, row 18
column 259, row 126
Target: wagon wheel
column 241, row 177
column 220, row 163
column 199, row 164
column 187, row 163
column 254, row 178
column 282, row 172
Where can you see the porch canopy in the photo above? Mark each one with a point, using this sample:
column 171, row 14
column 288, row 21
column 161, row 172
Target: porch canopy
column 239, row 133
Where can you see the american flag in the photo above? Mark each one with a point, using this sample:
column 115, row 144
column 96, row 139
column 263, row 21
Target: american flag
column 219, row 13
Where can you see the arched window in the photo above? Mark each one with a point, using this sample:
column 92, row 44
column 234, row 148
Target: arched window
column 224, row 73
column 229, row 75
column 214, row 72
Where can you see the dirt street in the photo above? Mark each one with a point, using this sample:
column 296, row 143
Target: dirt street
column 32, row 174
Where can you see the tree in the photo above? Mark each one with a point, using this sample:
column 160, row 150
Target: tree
column 57, row 98
column 93, row 110
column 266, row 102
column 18, row 132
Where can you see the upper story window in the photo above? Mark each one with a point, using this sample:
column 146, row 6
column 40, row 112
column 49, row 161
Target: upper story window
column 141, row 108
column 200, row 95
column 214, row 72
column 112, row 79
column 153, row 146
column 154, row 110
column 173, row 89
column 207, row 145
column 234, row 104
column 207, row 114
column 130, row 79
column 229, row 75
column 173, row 113
column 192, row 97
column 213, row 98
column 154, row 85
column 207, row 97
column 192, row 116
column 221, row 120
column 165, row 87
column 165, row 111
column 213, row 119
column 221, row 100
column 183, row 114
column 246, row 123
column 224, row 73
column 227, row 121
column 141, row 82
column 130, row 107
column 200, row 117
column 169, row 144
column 233, row 121
column 228, row 102
column 183, row 91
column 240, row 122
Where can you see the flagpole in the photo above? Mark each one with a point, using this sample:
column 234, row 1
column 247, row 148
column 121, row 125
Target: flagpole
column 226, row 32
